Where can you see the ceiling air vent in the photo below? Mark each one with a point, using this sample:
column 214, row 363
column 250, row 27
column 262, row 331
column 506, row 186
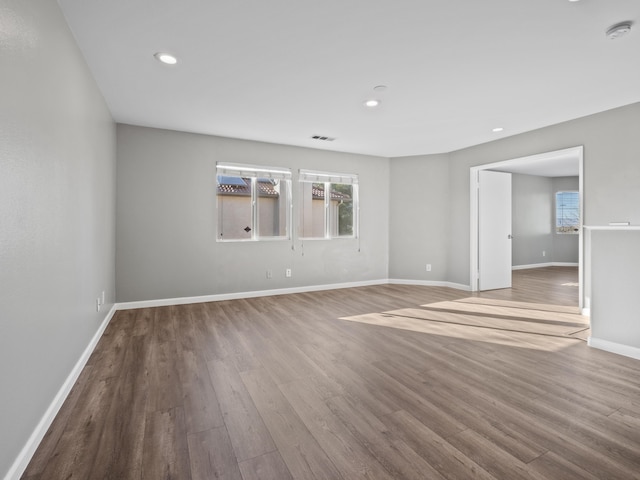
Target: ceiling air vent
column 323, row 138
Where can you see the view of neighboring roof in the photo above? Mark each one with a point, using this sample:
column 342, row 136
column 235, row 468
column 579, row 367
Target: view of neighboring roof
column 242, row 186
column 266, row 188
column 318, row 193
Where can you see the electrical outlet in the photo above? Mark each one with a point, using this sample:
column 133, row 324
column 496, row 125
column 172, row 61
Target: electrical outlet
column 544, row 253
column 269, row 274
column 428, row 267
column 98, row 304
column 287, row 273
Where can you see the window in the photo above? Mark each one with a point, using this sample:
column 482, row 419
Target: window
column 254, row 203
column 568, row 212
column 329, row 205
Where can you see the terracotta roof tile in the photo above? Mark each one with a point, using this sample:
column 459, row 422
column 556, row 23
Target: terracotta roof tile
column 265, row 189
column 318, row 193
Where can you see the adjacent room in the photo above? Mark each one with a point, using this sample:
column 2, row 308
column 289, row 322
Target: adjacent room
column 285, row 240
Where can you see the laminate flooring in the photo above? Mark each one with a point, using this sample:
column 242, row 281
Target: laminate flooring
column 380, row 382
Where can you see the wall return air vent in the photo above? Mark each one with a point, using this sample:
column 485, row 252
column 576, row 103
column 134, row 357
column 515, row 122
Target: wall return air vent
column 323, row 138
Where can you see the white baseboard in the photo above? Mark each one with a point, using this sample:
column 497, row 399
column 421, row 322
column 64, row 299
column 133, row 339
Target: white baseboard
column 24, row 457
column 542, row 265
column 533, row 265
column 163, row 302
column 620, row 349
column 430, row 283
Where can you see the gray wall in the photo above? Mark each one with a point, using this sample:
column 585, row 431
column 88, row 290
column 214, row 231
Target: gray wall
column 57, row 211
column 565, row 247
column 615, row 265
column 611, row 173
column 532, row 219
column 57, row 205
column 166, row 219
column 419, row 218
column 610, row 192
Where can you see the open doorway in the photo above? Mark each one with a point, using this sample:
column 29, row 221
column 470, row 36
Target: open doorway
column 560, row 164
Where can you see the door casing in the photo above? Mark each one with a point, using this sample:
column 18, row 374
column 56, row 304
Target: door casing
column 504, row 166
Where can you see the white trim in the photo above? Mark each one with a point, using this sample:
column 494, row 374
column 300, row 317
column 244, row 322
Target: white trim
column 327, row 177
column 542, row 265
column 613, row 347
column 612, row 227
column 533, row 265
column 239, row 169
column 163, row 302
column 24, row 457
column 504, row 165
column 564, row 264
column 429, row 283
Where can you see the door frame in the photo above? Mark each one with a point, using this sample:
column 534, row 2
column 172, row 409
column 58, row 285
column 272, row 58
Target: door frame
column 504, row 166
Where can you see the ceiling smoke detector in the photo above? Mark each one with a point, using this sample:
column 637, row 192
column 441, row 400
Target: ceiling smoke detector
column 618, row 30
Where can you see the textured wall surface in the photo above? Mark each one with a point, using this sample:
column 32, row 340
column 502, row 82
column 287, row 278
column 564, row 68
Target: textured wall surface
column 166, row 219
column 611, row 173
column 532, row 219
column 57, row 213
column 614, row 307
column 419, row 218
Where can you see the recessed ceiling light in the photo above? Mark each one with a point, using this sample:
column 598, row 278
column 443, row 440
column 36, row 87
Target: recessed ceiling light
column 166, row 58
column 379, row 88
column 619, row 30
column 497, row 129
column 372, row 103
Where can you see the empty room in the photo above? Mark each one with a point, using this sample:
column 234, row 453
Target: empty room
column 338, row 240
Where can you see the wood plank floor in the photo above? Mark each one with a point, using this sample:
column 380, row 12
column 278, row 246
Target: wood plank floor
column 332, row 385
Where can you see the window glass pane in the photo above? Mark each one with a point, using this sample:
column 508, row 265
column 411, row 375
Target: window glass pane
column 567, row 212
column 342, row 210
column 312, row 211
column 272, row 207
column 234, row 208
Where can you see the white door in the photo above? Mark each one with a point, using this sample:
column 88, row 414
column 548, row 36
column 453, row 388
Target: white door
column 494, row 230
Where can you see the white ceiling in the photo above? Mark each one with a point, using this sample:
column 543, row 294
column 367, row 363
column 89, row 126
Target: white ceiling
column 283, row 70
column 561, row 163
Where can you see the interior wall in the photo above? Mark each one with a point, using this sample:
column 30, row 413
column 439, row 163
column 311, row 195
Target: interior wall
column 611, row 175
column 166, row 219
column 57, row 211
column 565, row 246
column 532, row 219
column 419, row 218
column 614, row 310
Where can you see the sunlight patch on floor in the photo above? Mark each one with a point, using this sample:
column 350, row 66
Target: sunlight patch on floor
column 543, row 327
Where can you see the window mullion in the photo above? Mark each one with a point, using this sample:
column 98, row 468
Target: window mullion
column 327, row 210
column 254, row 208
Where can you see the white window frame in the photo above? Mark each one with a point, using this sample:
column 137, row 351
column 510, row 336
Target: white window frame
column 555, row 225
column 254, row 172
column 327, row 178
